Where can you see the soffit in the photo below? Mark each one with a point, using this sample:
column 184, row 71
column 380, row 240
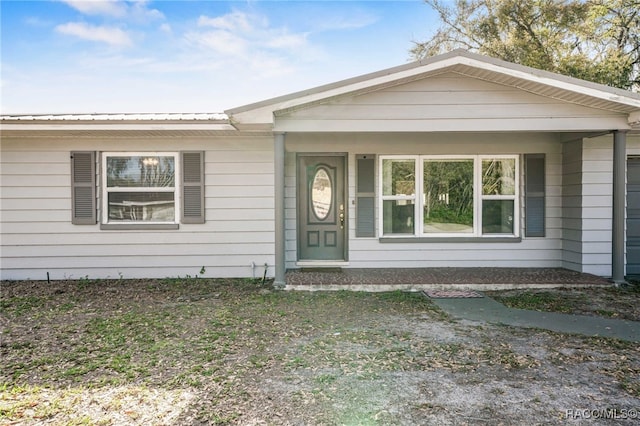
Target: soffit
column 613, row 104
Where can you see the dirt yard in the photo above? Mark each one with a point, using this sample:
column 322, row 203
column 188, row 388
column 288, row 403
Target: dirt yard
column 195, row 351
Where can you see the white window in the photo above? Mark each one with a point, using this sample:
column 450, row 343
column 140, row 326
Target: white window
column 140, row 188
column 449, row 196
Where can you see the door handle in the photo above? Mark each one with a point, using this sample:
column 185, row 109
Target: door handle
column 341, row 216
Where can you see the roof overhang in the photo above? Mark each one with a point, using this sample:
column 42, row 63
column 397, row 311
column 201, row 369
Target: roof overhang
column 130, row 125
column 555, row 86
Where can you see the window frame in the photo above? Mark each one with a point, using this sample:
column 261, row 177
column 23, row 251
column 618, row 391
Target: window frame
column 413, row 197
column 175, row 189
column 478, row 197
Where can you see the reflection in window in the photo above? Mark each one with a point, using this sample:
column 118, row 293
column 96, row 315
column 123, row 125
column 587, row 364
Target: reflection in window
column 460, row 196
column 398, row 216
column 140, row 188
column 398, row 177
column 499, row 177
column 321, row 194
column 498, row 195
column 399, row 196
column 497, row 217
column 448, row 195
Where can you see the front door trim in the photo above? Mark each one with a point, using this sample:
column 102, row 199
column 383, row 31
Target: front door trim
column 301, row 180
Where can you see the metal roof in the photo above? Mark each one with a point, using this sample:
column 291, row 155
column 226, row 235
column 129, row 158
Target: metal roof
column 221, row 117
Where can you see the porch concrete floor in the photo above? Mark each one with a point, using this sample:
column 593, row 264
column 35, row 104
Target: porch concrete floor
column 382, row 279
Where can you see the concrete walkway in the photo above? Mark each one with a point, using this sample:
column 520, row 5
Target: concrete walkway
column 485, row 309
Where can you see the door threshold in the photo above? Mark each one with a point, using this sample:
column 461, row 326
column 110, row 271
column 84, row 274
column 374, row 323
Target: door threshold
column 322, row 263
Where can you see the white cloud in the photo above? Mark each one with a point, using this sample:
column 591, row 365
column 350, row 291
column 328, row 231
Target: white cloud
column 345, row 22
column 286, row 41
column 36, row 21
column 139, row 11
column 136, row 9
column 110, row 35
column 235, row 21
column 247, row 36
column 114, row 8
column 222, row 42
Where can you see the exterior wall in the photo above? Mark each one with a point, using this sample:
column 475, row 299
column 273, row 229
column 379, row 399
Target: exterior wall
column 587, row 205
column 370, row 252
column 633, row 150
column 38, row 237
column 587, row 202
column 572, row 205
column 597, row 205
column 633, row 145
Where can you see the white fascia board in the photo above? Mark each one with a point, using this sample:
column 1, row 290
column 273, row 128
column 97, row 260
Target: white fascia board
column 30, row 126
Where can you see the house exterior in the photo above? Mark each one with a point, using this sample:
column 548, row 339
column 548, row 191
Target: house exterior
column 459, row 160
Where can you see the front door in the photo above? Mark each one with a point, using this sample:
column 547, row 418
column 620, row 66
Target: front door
column 633, row 216
column 322, row 213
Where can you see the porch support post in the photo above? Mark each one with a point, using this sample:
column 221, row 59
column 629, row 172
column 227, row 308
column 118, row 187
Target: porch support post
column 619, row 192
column 279, row 151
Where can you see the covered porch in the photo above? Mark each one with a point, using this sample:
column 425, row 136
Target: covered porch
column 417, row 187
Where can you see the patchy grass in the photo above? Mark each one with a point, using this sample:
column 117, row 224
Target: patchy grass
column 609, row 302
column 541, row 301
column 185, row 351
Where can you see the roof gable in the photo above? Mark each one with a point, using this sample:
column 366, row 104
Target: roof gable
column 448, row 101
column 525, row 79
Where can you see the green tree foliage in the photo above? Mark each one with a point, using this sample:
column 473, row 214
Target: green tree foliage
column 596, row 40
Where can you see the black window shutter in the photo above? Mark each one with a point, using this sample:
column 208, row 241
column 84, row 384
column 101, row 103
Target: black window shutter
column 365, row 196
column 534, row 203
column 83, row 187
column 192, row 187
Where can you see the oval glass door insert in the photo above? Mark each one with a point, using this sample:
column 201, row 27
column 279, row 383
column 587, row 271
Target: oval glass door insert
column 321, row 194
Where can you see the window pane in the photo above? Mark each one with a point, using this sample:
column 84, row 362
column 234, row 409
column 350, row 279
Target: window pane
column 141, row 171
column 321, row 194
column 448, row 196
column 398, row 216
column 499, row 177
column 142, row 206
column 398, row 177
column 497, row 216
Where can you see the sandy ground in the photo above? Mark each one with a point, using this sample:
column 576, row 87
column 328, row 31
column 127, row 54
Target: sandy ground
column 233, row 352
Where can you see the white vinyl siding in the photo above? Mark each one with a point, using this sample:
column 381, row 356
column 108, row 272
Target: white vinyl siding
column 38, row 236
column 597, row 201
column 587, row 204
column 448, row 102
column 572, row 205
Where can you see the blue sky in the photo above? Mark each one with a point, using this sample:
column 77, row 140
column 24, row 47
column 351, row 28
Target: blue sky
column 93, row 56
